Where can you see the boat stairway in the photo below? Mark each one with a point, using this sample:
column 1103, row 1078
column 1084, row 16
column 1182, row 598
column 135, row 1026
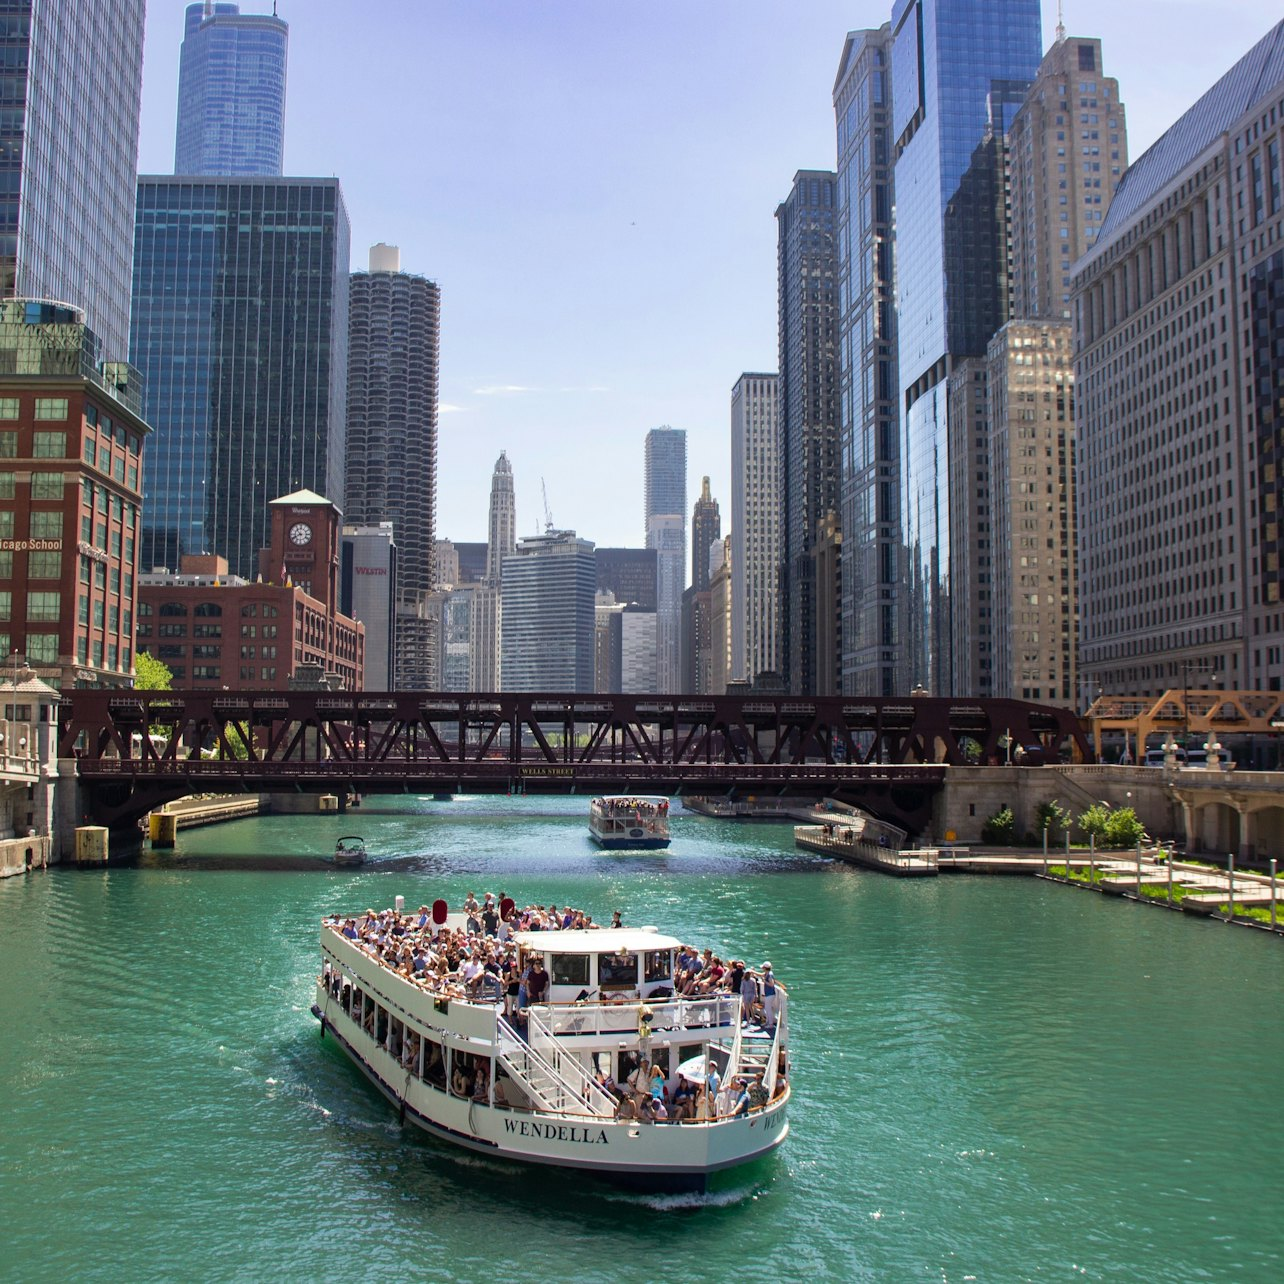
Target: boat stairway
column 755, row 1049
column 556, row 1084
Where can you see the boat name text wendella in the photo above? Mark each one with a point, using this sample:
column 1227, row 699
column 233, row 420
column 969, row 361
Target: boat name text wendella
column 558, row 1132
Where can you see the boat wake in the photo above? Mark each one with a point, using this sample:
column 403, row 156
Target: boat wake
column 682, row 1201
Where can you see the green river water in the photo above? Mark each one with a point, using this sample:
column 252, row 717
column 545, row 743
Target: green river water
column 994, row 1079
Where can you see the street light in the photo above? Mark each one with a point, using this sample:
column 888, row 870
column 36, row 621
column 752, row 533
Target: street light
column 1187, row 666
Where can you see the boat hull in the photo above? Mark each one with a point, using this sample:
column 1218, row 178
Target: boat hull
column 623, row 843
column 653, row 1157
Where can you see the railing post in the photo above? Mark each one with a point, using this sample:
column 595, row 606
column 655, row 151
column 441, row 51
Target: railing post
column 1045, row 851
column 1230, row 886
column 1139, row 871
column 1272, row 893
column 1092, row 860
column 1169, row 863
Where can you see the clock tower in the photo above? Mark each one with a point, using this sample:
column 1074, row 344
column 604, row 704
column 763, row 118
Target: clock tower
column 304, row 547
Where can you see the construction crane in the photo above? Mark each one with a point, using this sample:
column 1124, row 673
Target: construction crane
column 548, row 515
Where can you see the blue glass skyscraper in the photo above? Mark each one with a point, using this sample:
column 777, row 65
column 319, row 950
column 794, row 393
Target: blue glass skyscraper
column 951, row 60
column 70, row 83
column 240, row 329
column 231, row 92
column 869, row 453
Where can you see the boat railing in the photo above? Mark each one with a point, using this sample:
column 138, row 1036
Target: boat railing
column 781, row 1040
column 567, row 1065
column 715, row 1012
column 538, row 1079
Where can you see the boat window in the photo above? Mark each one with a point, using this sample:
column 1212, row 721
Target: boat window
column 617, row 971
column 569, row 969
column 660, row 1057
column 434, row 1064
column 658, row 964
column 686, row 1051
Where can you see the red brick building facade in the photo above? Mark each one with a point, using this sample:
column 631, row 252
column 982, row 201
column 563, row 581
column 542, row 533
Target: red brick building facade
column 71, row 440
column 215, row 631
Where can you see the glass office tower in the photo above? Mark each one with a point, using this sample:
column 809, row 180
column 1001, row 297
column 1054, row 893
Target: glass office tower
column 70, row 82
column 240, row 329
column 665, row 476
column 951, row 59
column 231, row 92
column 807, row 324
column 868, row 448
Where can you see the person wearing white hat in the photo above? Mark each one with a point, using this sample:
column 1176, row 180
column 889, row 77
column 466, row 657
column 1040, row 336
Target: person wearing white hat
column 770, row 998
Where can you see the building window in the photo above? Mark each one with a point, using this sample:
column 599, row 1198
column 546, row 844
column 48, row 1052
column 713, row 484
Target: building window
column 206, row 652
column 8, row 407
column 208, row 609
column 46, row 485
column 6, row 485
column 205, row 671
column 144, row 608
column 44, row 565
column 6, row 524
column 168, row 651
column 82, row 650
column 46, row 524
column 43, row 607
column 6, row 605
column 207, row 630
column 249, row 610
column 42, row 648
column 48, row 445
column 172, row 630
column 98, row 614
column 173, row 608
column 248, row 631
column 51, row 408
column 111, row 656
column 8, row 445
column 268, row 674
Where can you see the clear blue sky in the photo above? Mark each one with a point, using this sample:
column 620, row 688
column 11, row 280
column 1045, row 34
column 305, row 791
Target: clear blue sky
column 593, row 183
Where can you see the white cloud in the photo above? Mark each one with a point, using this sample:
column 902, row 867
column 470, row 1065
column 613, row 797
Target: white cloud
column 449, row 408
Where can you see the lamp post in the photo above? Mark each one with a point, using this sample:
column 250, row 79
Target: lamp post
column 1187, row 666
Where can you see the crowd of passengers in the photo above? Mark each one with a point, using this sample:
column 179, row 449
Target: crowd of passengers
column 630, row 807
column 480, row 961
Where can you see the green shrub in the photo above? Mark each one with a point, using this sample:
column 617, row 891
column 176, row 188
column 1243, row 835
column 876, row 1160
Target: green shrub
column 1053, row 817
column 1093, row 821
column 1000, row 829
column 1123, row 829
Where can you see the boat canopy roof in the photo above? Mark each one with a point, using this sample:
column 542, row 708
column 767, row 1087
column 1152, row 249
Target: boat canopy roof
column 611, row 940
column 628, row 798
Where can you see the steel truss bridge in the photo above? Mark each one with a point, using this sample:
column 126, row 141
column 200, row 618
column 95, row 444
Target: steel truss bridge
column 138, row 749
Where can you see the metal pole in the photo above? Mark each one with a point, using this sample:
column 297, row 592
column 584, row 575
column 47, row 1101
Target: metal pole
column 1045, row 849
column 1092, row 860
column 1230, row 884
column 1169, row 863
column 1139, row 871
column 1272, row 893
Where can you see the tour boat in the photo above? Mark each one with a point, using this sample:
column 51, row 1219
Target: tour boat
column 350, row 850
column 536, row 1095
column 620, row 822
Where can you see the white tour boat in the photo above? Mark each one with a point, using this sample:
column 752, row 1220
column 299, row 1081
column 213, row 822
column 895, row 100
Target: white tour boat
column 525, row 1085
column 629, row 821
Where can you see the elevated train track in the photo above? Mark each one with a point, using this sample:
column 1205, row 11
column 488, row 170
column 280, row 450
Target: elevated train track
column 136, row 750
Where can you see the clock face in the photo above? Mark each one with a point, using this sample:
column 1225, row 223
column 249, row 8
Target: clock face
column 300, row 533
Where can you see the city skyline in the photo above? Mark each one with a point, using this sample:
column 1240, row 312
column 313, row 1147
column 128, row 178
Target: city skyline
column 560, row 363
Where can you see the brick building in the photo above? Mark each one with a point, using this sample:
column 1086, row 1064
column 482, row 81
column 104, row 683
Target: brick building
column 215, row 630
column 71, row 440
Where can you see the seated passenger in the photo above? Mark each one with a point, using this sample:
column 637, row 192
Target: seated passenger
column 741, row 1106
column 459, row 1083
column 757, row 1092
column 626, row 1109
column 683, row 1100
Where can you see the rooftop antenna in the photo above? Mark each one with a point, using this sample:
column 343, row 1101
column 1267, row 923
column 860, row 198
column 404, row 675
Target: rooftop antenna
column 1061, row 21
column 548, row 516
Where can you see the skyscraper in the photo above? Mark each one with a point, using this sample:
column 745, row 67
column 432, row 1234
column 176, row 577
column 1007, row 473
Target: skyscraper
column 706, row 531
column 869, row 451
column 1179, row 379
column 245, row 402
column 1066, row 159
column 394, row 323
column 231, row 92
column 71, row 79
column 958, row 68
column 807, row 276
column 501, row 542
column 1066, row 150
column 755, row 527
column 666, row 532
column 547, row 616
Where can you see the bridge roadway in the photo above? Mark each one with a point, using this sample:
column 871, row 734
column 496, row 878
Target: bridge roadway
column 886, row 754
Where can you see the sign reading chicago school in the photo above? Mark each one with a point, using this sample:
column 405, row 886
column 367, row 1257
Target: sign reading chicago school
column 30, row 545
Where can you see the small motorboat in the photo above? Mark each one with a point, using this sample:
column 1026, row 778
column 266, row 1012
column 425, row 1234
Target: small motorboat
column 350, row 850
